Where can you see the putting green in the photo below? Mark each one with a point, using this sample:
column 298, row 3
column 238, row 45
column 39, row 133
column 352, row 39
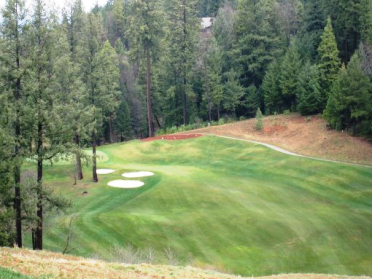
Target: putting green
column 238, row 206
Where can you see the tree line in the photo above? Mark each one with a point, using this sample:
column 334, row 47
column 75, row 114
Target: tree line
column 130, row 68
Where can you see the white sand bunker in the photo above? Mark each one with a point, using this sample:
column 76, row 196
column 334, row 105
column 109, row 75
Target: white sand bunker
column 105, row 171
column 138, row 174
column 126, row 184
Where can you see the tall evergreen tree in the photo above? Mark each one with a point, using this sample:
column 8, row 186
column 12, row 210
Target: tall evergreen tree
column 15, row 65
column 329, row 61
column 183, row 25
column 308, row 91
column 106, row 76
column 258, row 40
column 350, row 102
column 145, row 26
column 289, row 76
column 48, row 126
column 271, row 89
column 92, row 43
column 233, row 93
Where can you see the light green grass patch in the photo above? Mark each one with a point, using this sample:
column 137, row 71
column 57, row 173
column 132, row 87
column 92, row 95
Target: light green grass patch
column 246, row 208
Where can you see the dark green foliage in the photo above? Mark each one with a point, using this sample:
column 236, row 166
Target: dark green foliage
column 271, row 89
column 233, row 93
column 350, row 103
column 308, row 91
column 122, row 122
column 289, row 76
column 258, row 40
column 329, row 61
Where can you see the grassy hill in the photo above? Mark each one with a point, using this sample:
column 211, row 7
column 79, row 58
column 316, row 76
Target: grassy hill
column 25, row 264
column 236, row 206
column 308, row 136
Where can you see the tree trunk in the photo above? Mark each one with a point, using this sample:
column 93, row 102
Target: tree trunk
column 39, row 227
column 184, row 65
column 94, row 145
column 17, row 171
column 79, row 171
column 149, row 109
column 112, row 136
column 218, row 113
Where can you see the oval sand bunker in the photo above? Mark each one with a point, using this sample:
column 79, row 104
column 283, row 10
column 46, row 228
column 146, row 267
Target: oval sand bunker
column 138, row 174
column 126, row 184
column 105, row 171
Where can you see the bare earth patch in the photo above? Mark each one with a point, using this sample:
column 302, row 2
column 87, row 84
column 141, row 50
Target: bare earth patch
column 306, row 136
column 55, row 265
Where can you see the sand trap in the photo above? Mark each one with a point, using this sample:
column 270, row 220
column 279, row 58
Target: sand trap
column 105, row 171
column 138, row 174
column 126, row 184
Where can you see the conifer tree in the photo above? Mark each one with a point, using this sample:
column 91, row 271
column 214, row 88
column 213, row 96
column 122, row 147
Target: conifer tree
column 122, row 122
column 308, row 91
column 366, row 21
column 49, row 128
column 15, row 63
column 289, row 79
column 91, row 44
column 183, row 26
column 329, row 61
column 271, row 89
column 106, row 76
column 350, row 102
column 258, row 40
column 233, row 93
column 145, row 26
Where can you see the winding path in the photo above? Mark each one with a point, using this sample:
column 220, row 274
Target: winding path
column 286, row 151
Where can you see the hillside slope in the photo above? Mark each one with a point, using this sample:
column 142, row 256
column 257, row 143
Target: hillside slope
column 53, row 265
column 307, row 136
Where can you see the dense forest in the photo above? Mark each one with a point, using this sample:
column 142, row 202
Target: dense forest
column 132, row 68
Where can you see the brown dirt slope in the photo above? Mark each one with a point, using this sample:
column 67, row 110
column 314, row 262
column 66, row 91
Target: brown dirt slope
column 55, row 265
column 306, row 136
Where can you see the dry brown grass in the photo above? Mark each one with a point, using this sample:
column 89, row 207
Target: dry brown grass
column 303, row 135
column 55, row 265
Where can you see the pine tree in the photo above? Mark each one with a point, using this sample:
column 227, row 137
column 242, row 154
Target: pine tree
column 145, row 29
column 15, row 63
column 366, row 21
column 46, row 108
column 273, row 98
column 329, row 61
column 70, row 77
column 308, row 91
column 258, row 40
column 289, row 79
column 91, row 44
column 313, row 27
column 350, row 102
column 122, row 122
column 233, row 93
column 183, row 26
column 106, row 76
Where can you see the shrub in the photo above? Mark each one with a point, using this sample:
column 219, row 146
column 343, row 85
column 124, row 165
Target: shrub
column 241, row 118
column 259, row 120
column 287, row 112
column 221, row 121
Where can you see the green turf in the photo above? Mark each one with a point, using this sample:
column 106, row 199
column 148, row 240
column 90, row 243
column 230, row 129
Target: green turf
column 235, row 205
column 9, row 274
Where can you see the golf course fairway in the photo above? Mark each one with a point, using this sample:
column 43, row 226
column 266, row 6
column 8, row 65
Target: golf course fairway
column 237, row 206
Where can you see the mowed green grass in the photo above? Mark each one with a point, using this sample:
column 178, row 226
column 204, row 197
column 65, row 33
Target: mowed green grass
column 239, row 206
